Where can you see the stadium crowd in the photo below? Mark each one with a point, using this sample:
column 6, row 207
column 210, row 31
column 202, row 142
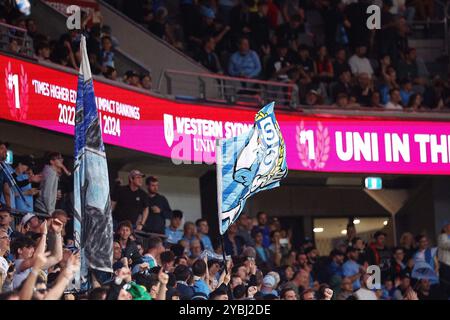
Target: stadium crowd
column 65, row 50
column 322, row 46
column 157, row 257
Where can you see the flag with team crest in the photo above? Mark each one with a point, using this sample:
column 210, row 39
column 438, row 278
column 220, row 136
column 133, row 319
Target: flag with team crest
column 93, row 230
column 249, row 163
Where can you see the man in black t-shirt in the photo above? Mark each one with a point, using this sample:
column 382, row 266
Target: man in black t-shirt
column 158, row 206
column 131, row 202
column 280, row 63
column 379, row 254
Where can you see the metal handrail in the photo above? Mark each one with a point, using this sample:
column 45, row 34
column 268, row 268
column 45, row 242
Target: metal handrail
column 444, row 21
column 13, row 27
column 227, row 89
column 147, row 32
column 224, row 77
column 20, row 34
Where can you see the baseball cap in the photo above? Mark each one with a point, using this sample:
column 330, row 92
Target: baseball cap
column 138, row 292
column 135, row 173
column 249, row 252
column 405, row 274
column 199, row 296
column 269, row 281
column 26, row 218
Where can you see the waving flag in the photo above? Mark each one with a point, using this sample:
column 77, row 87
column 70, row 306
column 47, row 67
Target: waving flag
column 247, row 164
column 93, row 232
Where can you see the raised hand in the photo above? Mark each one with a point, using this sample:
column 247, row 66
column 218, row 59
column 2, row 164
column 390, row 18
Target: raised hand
column 227, row 278
column 252, row 291
column 73, row 264
column 144, row 266
column 35, row 178
column 56, row 226
column 40, row 260
column 163, row 277
column 252, row 267
column 411, row 295
column 328, row 293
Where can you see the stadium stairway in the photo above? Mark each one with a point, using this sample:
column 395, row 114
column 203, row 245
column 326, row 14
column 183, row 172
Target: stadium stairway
column 146, row 47
column 140, row 52
column 53, row 23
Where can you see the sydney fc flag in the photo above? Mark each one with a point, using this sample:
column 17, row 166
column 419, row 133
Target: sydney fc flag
column 93, row 232
column 249, row 163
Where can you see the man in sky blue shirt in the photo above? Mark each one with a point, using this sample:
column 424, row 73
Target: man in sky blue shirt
column 202, row 231
column 351, row 269
column 172, row 232
column 199, row 272
column 244, row 63
column 263, row 228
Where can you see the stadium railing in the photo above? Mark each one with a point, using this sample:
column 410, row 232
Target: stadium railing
column 215, row 88
column 8, row 33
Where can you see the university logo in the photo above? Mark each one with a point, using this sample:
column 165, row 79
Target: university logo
column 168, row 129
column 16, row 92
column 313, row 146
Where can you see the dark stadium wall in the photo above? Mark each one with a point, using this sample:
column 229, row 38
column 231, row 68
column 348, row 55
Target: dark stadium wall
column 315, row 201
column 417, row 215
column 441, row 201
column 208, row 195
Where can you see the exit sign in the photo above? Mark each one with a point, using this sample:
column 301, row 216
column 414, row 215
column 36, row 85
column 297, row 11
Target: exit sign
column 374, row 183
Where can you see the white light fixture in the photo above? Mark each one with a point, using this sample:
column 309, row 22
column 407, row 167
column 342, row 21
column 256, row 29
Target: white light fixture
column 344, row 231
column 316, row 230
column 385, row 222
column 356, row 221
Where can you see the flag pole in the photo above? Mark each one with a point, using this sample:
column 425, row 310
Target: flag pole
column 224, row 254
column 219, row 197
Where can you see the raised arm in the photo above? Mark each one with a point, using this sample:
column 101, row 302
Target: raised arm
column 26, row 293
column 40, row 248
column 65, row 277
column 57, row 250
column 163, row 280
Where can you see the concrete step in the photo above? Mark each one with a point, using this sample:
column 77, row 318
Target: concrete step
column 428, row 49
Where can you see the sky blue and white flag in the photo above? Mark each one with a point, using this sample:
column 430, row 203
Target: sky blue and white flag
column 247, row 164
column 93, row 231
